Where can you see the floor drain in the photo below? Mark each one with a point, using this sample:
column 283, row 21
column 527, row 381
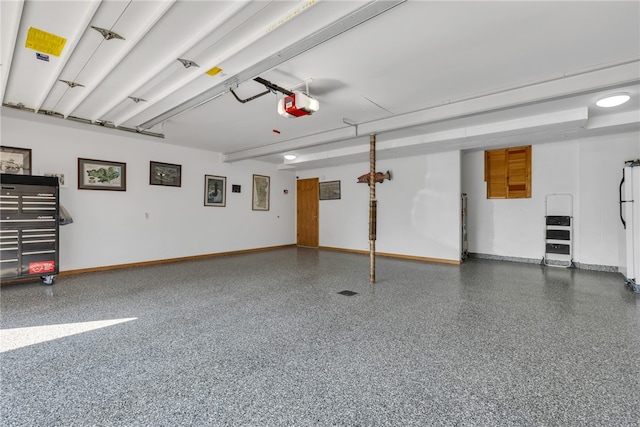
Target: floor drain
column 348, row 293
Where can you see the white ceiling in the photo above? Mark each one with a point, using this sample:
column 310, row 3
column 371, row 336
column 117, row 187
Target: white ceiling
column 421, row 75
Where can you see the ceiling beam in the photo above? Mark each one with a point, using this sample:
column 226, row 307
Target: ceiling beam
column 363, row 14
column 90, row 11
column 279, row 147
column 130, row 42
column 549, row 90
column 161, row 92
column 10, row 22
column 611, row 77
column 560, row 121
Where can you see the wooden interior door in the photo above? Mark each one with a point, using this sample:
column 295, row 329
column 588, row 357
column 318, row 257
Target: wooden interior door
column 307, row 201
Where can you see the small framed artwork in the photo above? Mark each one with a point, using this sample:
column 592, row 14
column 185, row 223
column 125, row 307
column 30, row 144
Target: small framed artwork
column 215, row 190
column 15, row 160
column 330, row 190
column 61, row 177
column 165, row 174
column 102, row 175
column 261, row 190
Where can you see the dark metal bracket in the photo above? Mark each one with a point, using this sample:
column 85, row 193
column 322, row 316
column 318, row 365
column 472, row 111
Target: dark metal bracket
column 250, row 98
column 271, row 87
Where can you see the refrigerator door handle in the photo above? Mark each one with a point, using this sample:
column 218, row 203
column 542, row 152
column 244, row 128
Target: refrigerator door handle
column 624, row 223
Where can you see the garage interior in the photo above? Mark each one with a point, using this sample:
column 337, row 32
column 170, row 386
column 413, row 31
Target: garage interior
column 176, row 307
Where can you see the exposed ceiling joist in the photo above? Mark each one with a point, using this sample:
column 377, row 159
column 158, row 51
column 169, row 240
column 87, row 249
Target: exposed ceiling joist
column 408, row 71
column 363, row 14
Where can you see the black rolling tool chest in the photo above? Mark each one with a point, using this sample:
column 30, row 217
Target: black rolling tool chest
column 29, row 229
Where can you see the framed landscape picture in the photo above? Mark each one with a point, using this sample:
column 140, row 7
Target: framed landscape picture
column 215, row 190
column 165, row 174
column 101, row 175
column 15, row 160
column 261, row 190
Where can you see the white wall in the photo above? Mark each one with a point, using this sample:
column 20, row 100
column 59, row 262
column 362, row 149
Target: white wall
column 589, row 169
column 515, row 227
column 418, row 210
column 110, row 227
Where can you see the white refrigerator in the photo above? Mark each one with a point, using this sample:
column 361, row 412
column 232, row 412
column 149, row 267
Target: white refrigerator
column 630, row 218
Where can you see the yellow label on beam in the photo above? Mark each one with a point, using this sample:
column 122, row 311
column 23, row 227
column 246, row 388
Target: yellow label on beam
column 44, row 42
column 214, row 71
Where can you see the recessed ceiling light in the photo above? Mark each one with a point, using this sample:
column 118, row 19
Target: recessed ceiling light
column 613, row 100
column 290, row 156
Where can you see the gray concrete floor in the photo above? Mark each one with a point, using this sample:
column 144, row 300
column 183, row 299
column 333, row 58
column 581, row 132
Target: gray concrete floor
column 265, row 339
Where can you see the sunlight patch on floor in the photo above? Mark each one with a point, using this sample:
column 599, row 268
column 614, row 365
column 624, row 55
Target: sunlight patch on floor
column 11, row 339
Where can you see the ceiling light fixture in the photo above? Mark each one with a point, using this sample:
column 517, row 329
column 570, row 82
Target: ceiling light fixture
column 613, row 100
column 290, row 156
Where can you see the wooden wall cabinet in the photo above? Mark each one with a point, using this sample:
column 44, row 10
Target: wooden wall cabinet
column 507, row 172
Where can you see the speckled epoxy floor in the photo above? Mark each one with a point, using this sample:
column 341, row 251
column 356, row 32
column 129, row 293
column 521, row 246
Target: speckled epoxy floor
column 264, row 339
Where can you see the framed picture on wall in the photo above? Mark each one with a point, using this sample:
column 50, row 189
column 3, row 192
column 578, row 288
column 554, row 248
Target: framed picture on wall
column 15, row 160
column 165, row 174
column 102, row 175
column 330, row 190
column 215, row 190
column 261, row 190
